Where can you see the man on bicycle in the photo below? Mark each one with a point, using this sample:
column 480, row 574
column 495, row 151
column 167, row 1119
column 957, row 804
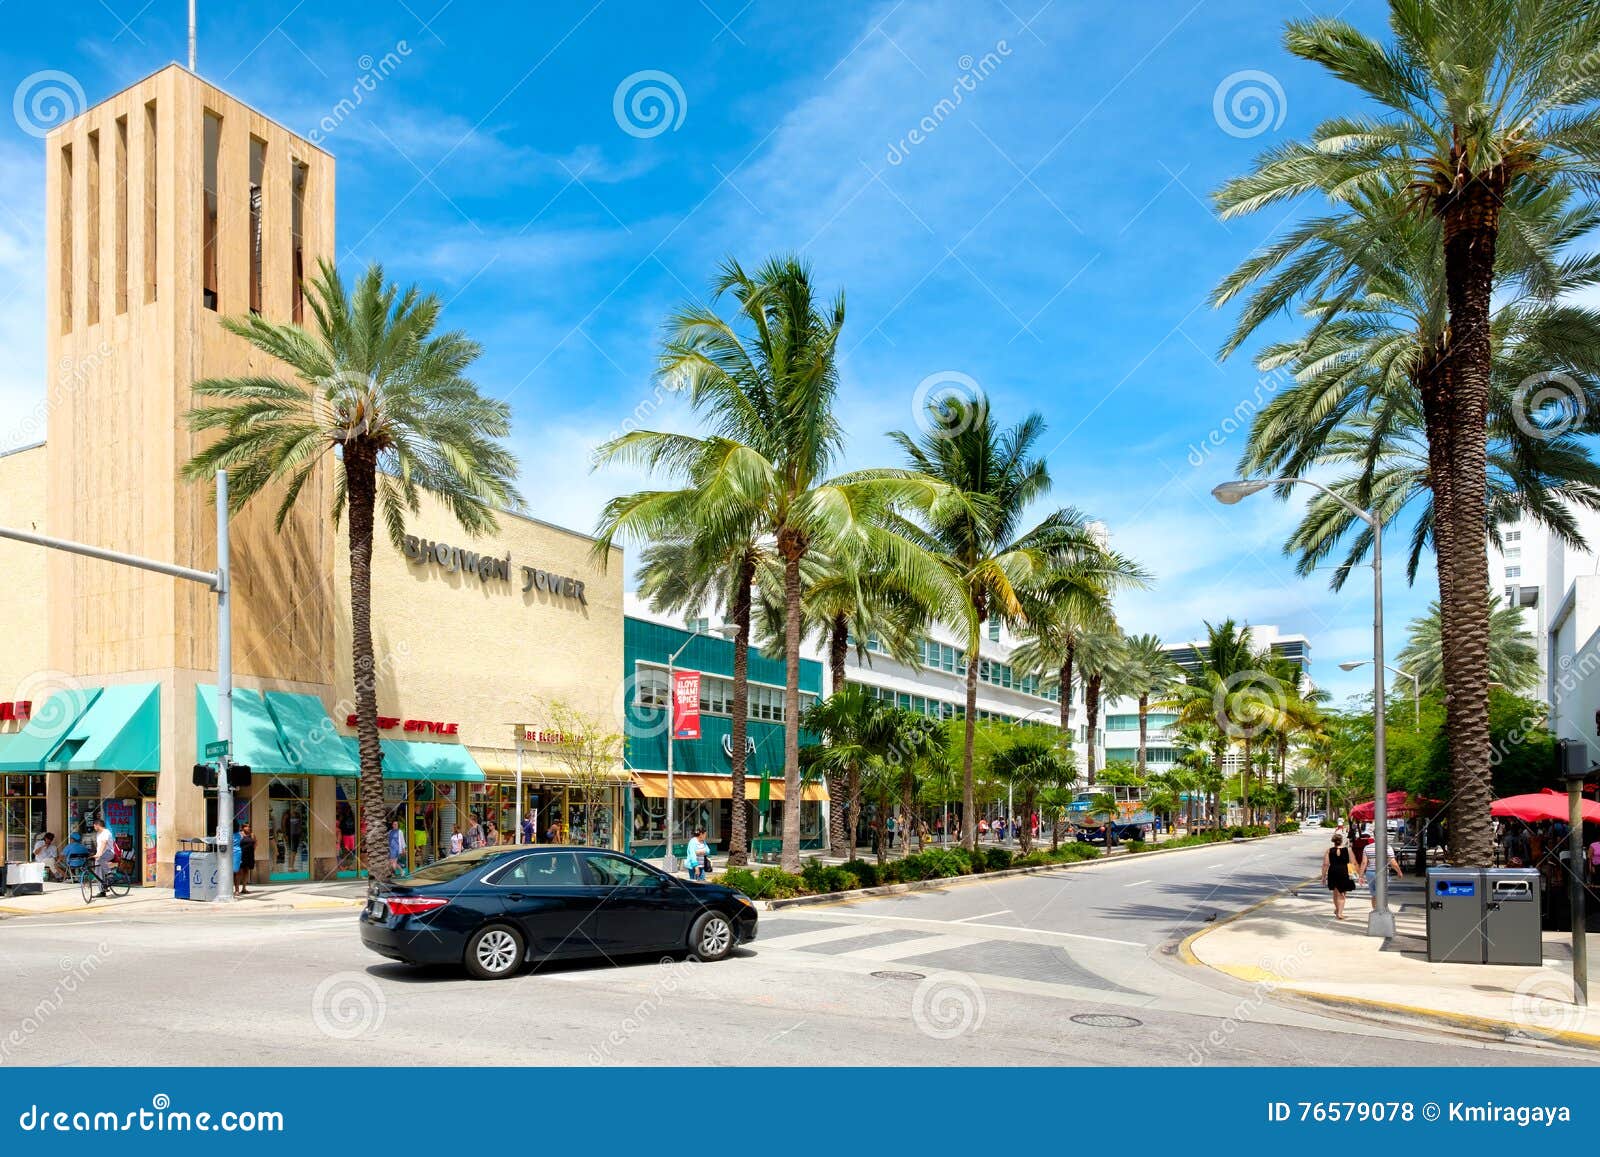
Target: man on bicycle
column 105, row 854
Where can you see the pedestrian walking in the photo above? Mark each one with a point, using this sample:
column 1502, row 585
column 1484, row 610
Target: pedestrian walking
column 244, row 862
column 1336, row 877
column 396, row 847
column 983, row 830
column 474, row 835
column 1369, row 864
column 457, row 842
column 527, row 827
column 697, row 857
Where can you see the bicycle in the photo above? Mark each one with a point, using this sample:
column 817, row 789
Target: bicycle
column 115, row 882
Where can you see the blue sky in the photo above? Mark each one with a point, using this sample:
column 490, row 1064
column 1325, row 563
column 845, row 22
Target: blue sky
column 1049, row 236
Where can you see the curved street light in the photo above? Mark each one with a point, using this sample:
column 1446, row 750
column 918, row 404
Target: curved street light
column 1381, row 922
column 1416, row 685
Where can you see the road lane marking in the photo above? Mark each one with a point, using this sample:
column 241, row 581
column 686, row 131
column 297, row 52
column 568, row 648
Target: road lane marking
column 864, row 918
column 1136, row 883
column 985, row 916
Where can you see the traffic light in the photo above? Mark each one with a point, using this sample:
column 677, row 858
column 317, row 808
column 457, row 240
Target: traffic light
column 205, row 775
column 238, row 775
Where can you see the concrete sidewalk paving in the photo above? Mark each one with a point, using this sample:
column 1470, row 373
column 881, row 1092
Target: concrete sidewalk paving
column 67, row 900
column 1292, row 945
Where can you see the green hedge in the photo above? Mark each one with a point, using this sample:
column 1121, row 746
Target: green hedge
column 817, row 879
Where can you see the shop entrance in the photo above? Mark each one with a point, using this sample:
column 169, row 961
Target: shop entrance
column 426, row 813
column 22, row 822
column 289, row 828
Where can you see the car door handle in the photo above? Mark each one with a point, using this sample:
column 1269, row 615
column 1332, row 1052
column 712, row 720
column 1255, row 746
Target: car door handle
column 515, row 896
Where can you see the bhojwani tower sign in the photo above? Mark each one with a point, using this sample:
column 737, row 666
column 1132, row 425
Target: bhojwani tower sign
column 460, row 560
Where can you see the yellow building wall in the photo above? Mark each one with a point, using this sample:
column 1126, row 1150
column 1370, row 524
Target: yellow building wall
column 454, row 648
column 25, row 671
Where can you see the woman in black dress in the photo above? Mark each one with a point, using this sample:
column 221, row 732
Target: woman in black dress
column 1336, row 873
column 247, row 861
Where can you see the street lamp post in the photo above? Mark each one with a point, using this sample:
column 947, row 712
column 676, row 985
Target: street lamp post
column 1381, row 922
column 1416, row 685
column 670, row 860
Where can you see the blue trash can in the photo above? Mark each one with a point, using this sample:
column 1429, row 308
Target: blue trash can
column 180, row 875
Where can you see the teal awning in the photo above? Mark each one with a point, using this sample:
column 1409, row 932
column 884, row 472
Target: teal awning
column 28, row 749
column 255, row 735
column 440, row 762
column 121, row 731
column 308, row 736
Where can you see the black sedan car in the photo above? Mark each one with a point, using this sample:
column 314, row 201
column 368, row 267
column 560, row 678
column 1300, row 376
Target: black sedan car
column 493, row 909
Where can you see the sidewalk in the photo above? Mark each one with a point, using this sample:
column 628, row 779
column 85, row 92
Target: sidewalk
column 67, row 900
column 1292, row 945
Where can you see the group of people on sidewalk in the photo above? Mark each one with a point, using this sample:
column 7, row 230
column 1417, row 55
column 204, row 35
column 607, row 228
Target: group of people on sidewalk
column 1343, row 868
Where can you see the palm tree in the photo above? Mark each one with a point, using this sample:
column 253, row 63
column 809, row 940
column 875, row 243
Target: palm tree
column 373, row 388
column 766, row 382
column 690, row 565
column 857, row 730
column 1224, row 696
column 1103, row 659
column 980, row 543
column 1355, row 399
column 1513, row 657
column 1475, row 102
column 1150, row 671
column 1032, row 762
column 845, row 598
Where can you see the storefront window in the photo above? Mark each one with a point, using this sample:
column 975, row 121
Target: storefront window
column 289, row 826
column 23, row 817
column 649, row 818
column 347, row 806
column 83, row 801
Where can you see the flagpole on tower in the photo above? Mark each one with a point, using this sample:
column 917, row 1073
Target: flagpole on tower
column 191, row 35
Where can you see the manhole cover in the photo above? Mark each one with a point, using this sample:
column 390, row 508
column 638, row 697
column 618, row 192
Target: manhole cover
column 898, row 975
column 1105, row 1020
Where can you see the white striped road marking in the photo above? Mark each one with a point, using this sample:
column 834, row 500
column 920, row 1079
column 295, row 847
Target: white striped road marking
column 864, row 918
column 1136, row 883
column 985, row 916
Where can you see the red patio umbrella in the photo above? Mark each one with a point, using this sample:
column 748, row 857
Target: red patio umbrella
column 1548, row 804
column 1400, row 804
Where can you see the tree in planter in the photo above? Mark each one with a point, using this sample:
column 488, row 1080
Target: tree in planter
column 591, row 750
column 1469, row 105
column 374, row 389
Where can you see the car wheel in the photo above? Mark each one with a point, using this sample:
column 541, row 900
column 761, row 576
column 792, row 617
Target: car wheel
column 712, row 937
column 494, row 952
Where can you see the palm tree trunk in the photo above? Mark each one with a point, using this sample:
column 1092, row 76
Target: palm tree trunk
column 360, row 469
column 1471, row 224
column 969, row 805
column 790, row 859
column 1246, row 806
column 739, row 833
column 853, row 797
column 1091, row 710
column 841, row 806
column 1144, row 722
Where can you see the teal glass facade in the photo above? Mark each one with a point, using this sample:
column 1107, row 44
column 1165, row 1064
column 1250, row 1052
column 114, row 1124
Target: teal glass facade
column 646, row 648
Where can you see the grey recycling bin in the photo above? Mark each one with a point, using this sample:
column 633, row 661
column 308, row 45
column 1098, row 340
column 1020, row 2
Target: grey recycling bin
column 1455, row 915
column 1511, row 933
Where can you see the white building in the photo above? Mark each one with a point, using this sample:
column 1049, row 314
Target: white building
column 1537, row 571
column 1120, row 717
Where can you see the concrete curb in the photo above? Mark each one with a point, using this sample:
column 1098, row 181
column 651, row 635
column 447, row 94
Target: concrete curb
column 1430, row 1017
column 1433, row 1016
column 979, row 877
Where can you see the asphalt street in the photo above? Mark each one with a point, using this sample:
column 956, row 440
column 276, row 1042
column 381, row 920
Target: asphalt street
column 1073, row 966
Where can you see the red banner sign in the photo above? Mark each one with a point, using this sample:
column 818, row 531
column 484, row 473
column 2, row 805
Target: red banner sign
column 686, row 705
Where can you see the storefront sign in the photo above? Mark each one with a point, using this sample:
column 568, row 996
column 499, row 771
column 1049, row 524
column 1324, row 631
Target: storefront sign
column 150, row 831
column 543, row 737
column 686, row 704
column 749, row 745
column 390, row 722
column 460, row 560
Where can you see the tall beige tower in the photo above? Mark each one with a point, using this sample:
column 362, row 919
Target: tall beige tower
column 171, row 206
